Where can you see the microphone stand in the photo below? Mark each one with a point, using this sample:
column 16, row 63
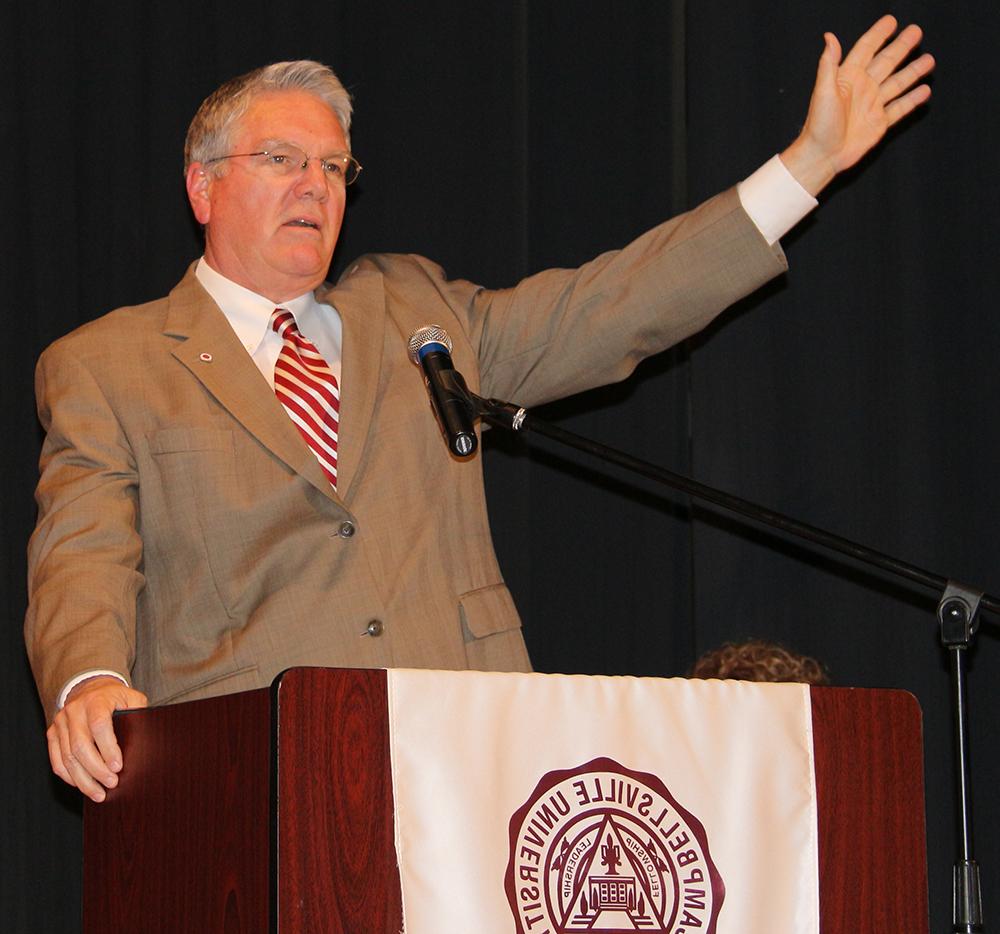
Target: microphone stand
column 957, row 611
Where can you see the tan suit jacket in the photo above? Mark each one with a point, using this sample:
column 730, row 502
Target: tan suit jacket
column 187, row 535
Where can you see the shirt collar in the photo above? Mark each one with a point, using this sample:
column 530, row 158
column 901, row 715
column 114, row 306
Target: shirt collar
column 248, row 313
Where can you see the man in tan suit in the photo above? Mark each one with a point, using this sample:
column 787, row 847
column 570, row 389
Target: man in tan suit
column 188, row 541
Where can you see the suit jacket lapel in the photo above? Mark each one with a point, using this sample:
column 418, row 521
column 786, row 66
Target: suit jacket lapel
column 211, row 351
column 360, row 300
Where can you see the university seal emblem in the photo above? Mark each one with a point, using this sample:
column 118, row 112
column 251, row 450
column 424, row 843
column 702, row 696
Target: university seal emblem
column 604, row 848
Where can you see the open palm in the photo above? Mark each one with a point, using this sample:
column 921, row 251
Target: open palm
column 855, row 100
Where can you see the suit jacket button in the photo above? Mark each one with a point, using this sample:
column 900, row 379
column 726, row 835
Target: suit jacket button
column 374, row 628
column 347, row 529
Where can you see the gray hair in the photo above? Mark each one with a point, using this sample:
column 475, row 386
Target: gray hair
column 211, row 131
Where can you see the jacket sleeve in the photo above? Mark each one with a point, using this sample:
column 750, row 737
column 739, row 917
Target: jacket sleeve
column 566, row 330
column 85, row 555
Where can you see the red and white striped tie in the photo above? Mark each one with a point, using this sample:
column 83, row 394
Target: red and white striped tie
column 308, row 390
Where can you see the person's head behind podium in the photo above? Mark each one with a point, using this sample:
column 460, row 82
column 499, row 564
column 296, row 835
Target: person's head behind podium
column 267, row 162
column 758, row 660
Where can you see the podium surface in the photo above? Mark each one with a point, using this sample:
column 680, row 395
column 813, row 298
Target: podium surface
column 272, row 810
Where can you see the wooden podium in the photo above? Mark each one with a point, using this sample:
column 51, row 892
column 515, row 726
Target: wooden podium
column 272, row 811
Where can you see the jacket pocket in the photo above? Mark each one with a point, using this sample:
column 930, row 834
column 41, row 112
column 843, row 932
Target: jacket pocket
column 487, row 611
column 491, row 629
column 181, row 440
column 243, row 679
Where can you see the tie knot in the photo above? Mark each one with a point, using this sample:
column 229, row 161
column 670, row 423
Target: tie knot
column 283, row 322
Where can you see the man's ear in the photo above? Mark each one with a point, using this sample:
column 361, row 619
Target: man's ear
column 199, row 188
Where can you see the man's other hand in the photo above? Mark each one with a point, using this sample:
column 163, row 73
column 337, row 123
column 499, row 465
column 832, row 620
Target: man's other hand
column 83, row 749
column 855, row 100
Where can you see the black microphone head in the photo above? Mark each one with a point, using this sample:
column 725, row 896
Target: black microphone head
column 429, row 334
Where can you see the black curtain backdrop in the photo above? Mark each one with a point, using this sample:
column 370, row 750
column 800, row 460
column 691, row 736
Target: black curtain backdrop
column 856, row 393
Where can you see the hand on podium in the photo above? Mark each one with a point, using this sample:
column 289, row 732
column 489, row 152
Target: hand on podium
column 83, row 749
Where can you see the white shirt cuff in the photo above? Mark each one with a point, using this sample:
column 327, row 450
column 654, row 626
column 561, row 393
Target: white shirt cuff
column 775, row 201
column 83, row 676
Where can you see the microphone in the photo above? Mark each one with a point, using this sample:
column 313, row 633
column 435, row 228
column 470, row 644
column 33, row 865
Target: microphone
column 430, row 349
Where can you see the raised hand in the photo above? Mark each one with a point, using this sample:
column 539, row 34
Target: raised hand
column 855, row 100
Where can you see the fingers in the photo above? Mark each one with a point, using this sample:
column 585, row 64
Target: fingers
column 904, row 79
column 889, row 59
column 896, row 94
column 74, row 756
column 826, row 72
column 867, row 46
column 83, row 749
column 832, row 52
column 55, row 755
column 855, row 99
column 827, row 69
column 81, row 756
column 107, row 744
column 881, row 63
column 907, row 104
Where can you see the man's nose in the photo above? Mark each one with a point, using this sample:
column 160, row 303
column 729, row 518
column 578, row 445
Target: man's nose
column 312, row 181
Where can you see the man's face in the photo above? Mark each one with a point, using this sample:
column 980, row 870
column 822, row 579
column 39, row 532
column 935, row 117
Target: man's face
column 273, row 235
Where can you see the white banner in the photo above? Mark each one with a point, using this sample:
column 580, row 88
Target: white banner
column 547, row 804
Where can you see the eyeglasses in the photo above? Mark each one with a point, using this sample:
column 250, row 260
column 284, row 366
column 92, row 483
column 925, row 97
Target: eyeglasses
column 283, row 160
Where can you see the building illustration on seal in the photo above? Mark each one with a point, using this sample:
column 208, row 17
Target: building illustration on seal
column 620, row 895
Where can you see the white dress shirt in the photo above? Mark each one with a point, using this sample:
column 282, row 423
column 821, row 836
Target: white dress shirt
column 249, row 315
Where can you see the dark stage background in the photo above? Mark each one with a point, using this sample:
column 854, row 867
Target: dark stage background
column 857, row 393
